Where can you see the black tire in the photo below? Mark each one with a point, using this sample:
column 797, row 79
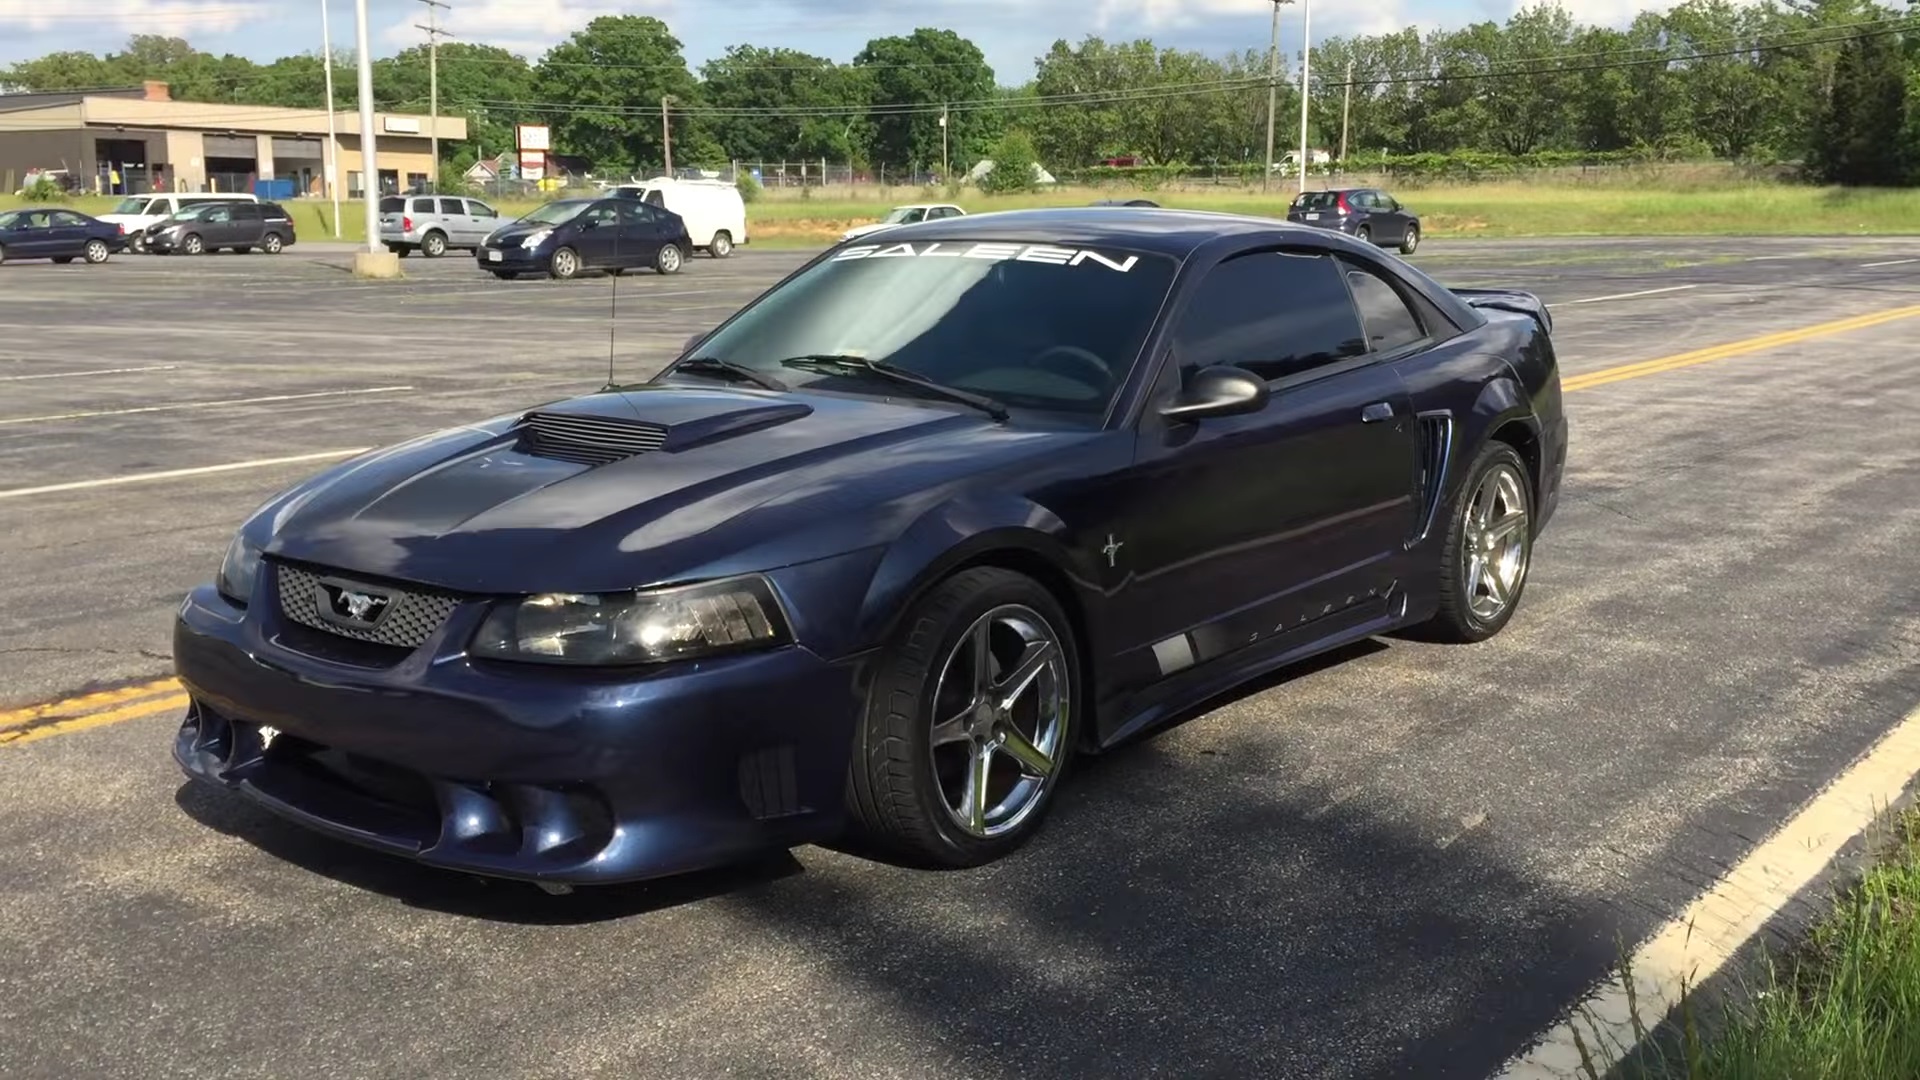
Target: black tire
column 565, row 264
column 894, row 795
column 433, row 245
column 721, row 245
column 62, row 260
column 670, row 259
column 1364, row 234
column 98, row 252
column 3, row 254
column 191, row 244
column 137, row 244
column 1412, row 242
column 504, row 275
column 1456, row 621
column 272, row 243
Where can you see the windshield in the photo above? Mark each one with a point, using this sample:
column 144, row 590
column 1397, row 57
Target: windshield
column 558, row 213
column 903, row 215
column 1032, row 326
column 131, row 206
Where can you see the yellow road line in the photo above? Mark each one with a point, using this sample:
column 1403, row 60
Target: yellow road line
column 1735, row 348
column 23, row 736
column 86, row 703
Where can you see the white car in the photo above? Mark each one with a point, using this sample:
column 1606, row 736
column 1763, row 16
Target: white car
column 715, row 214
column 135, row 214
column 907, row 215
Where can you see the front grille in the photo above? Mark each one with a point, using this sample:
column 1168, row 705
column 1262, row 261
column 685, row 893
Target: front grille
column 412, row 619
column 588, row 440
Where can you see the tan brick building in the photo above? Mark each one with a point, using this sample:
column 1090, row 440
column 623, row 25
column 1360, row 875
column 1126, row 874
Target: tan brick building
column 134, row 140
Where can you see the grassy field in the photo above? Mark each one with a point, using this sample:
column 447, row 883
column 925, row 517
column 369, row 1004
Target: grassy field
column 1846, row 1006
column 786, row 219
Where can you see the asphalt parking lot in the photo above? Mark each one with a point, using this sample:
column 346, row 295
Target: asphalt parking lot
column 1404, row 861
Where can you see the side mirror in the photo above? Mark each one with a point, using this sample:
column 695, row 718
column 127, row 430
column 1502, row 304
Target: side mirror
column 1220, row 390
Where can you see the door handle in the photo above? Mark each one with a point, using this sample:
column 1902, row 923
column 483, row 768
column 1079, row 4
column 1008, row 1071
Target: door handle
column 1376, row 412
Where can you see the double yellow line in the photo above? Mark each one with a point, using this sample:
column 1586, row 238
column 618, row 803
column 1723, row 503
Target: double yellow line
column 36, row 722
column 1734, row 348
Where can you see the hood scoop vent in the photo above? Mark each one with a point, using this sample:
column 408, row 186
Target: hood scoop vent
column 586, row 439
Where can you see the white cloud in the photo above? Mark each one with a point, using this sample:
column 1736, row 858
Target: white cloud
column 524, row 26
column 174, row 18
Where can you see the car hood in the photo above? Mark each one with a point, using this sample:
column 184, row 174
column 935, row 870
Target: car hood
column 517, row 231
column 862, row 230
column 741, row 480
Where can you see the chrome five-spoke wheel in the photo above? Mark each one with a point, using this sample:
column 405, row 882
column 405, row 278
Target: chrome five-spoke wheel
column 1000, row 720
column 1494, row 543
column 970, row 723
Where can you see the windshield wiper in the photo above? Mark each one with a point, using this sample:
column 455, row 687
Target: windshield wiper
column 844, row 362
column 727, row 369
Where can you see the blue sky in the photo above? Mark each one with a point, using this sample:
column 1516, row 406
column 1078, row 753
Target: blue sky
column 1012, row 32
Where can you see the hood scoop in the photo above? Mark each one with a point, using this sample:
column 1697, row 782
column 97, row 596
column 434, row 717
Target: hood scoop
column 589, row 433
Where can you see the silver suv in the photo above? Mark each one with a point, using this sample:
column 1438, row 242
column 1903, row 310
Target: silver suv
column 432, row 224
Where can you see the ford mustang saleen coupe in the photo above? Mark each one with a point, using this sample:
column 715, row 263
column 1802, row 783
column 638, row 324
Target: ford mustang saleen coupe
column 885, row 550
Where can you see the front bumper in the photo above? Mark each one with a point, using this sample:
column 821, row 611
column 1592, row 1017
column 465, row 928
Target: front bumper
column 513, row 258
column 161, row 244
column 513, row 770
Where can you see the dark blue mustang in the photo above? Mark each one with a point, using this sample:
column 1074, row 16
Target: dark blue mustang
column 884, row 550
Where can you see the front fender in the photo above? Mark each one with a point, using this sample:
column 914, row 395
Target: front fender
column 958, row 532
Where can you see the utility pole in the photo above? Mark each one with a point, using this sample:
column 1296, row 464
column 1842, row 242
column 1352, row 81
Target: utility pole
column 1306, row 69
column 666, row 134
column 369, row 156
column 1273, row 88
column 434, row 34
column 1346, row 116
column 946, row 170
column 333, row 135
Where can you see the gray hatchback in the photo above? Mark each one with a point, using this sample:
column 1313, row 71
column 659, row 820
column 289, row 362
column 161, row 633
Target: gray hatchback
column 433, row 224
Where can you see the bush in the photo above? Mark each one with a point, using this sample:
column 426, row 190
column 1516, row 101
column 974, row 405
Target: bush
column 1014, row 162
column 43, row 190
column 748, row 187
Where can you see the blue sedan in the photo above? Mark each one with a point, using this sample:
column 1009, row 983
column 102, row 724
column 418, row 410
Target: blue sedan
column 57, row 234
column 885, row 551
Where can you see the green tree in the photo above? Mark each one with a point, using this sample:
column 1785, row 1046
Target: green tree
column 1014, row 162
column 909, row 79
column 489, row 86
column 1860, row 136
column 779, row 104
column 601, row 90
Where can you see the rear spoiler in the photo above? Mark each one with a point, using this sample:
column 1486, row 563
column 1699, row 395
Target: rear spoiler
column 1515, row 301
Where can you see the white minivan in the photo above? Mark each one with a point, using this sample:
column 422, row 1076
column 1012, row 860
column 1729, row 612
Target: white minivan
column 715, row 214
column 135, row 214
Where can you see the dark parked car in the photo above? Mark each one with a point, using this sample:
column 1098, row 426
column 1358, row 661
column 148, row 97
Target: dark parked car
column 566, row 237
column 208, row 227
column 57, row 234
column 1126, row 202
column 1366, row 214
column 888, row 548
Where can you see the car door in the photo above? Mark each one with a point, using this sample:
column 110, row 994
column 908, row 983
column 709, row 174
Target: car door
column 641, row 227
column 67, row 234
column 1291, row 520
column 33, row 236
column 249, row 225
column 597, row 233
column 482, row 219
column 452, row 214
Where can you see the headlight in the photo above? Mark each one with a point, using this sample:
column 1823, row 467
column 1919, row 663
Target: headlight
column 635, row 628
column 238, row 571
column 536, row 239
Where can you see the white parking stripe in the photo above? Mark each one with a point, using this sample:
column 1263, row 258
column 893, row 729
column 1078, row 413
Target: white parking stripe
column 175, row 474
column 202, row 405
column 1630, row 295
column 78, row 374
column 1896, row 262
column 1688, row 950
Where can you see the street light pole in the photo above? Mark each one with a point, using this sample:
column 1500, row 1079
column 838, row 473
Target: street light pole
column 369, row 156
column 333, row 135
column 1273, row 89
column 1306, row 68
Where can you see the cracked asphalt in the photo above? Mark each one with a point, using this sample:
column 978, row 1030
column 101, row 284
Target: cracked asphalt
column 1402, row 860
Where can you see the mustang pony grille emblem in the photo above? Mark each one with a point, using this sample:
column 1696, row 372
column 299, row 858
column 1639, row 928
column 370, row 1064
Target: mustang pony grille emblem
column 348, row 605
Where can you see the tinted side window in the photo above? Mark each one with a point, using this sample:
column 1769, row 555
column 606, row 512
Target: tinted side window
column 423, row 206
column 657, row 197
column 1390, row 324
column 452, row 206
column 393, row 206
column 246, row 212
column 1275, row 314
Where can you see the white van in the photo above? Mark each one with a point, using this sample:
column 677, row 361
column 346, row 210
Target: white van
column 137, row 213
column 715, row 214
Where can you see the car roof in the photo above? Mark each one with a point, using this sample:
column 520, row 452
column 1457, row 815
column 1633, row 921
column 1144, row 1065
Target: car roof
column 1164, row 231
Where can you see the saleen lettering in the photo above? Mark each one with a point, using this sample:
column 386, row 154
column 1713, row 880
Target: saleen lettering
column 1040, row 253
